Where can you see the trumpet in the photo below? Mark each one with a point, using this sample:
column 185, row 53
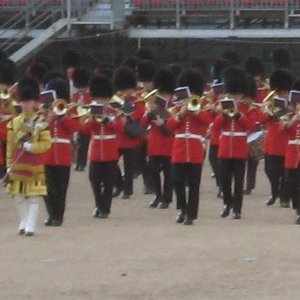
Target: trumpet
column 150, row 99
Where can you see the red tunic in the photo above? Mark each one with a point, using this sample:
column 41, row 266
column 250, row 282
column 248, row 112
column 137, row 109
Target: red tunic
column 124, row 140
column 233, row 138
column 60, row 153
column 276, row 139
column 82, row 96
column 190, row 134
column 292, row 155
column 103, row 142
column 159, row 142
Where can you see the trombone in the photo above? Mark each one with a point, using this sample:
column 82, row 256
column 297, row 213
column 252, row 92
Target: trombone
column 268, row 103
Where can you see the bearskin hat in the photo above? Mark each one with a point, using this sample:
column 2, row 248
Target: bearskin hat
column 28, row 89
column 61, row 86
column 281, row 80
column 101, row 87
column 81, row 78
column 255, row 67
column 193, row 79
column 145, row 70
column 124, row 79
column 235, row 81
column 164, row 81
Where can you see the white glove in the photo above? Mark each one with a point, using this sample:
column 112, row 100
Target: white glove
column 27, row 146
column 158, row 121
column 8, row 170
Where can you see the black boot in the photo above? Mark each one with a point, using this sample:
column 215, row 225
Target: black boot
column 226, row 211
column 180, row 217
column 155, row 202
column 271, row 201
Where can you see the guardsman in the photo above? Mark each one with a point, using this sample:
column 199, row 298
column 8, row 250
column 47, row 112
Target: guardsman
column 28, row 139
column 103, row 127
column 58, row 158
column 276, row 140
column 189, row 126
column 82, row 98
column 291, row 126
column 160, row 139
column 124, row 83
column 234, row 125
column 7, row 76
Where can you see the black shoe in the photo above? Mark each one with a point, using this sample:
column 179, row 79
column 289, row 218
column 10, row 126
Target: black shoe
column 155, row 202
column 117, row 192
column 270, row 201
column 284, row 204
column 56, row 223
column 188, row 221
column 48, row 222
column 29, row 233
column 125, row 196
column 21, row 232
column 226, row 211
column 163, row 205
column 236, row 216
column 180, row 217
column 247, row 192
column 298, row 220
column 103, row 215
column 96, row 212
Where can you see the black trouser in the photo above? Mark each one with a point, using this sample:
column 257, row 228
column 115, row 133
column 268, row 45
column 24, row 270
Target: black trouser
column 214, row 162
column 102, row 177
column 251, row 173
column 156, row 164
column 189, row 173
column 274, row 169
column 127, row 183
column 3, row 166
column 141, row 165
column 293, row 184
column 82, row 151
column 233, row 169
column 57, row 181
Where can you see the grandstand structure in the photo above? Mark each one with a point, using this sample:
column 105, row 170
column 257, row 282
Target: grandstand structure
column 28, row 25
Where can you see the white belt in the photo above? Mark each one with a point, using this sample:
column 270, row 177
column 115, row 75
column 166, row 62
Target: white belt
column 104, row 137
column 190, row 136
column 60, row 141
column 234, row 133
column 294, row 142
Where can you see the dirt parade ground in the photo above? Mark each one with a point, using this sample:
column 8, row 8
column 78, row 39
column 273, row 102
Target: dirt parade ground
column 142, row 254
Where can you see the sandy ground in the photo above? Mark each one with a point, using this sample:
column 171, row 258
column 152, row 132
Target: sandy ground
column 142, row 254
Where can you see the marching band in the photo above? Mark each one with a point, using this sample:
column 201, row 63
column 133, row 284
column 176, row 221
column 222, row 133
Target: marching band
column 238, row 119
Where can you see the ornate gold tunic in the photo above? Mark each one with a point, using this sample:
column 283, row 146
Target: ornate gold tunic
column 26, row 176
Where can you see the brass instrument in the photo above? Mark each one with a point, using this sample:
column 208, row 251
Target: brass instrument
column 230, row 112
column 291, row 116
column 149, row 99
column 268, row 103
column 194, row 103
column 60, row 107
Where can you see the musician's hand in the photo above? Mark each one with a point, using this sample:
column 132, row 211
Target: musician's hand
column 150, row 116
column 158, row 121
column 237, row 116
column 8, row 170
column 105, row 120
column 27, row 146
